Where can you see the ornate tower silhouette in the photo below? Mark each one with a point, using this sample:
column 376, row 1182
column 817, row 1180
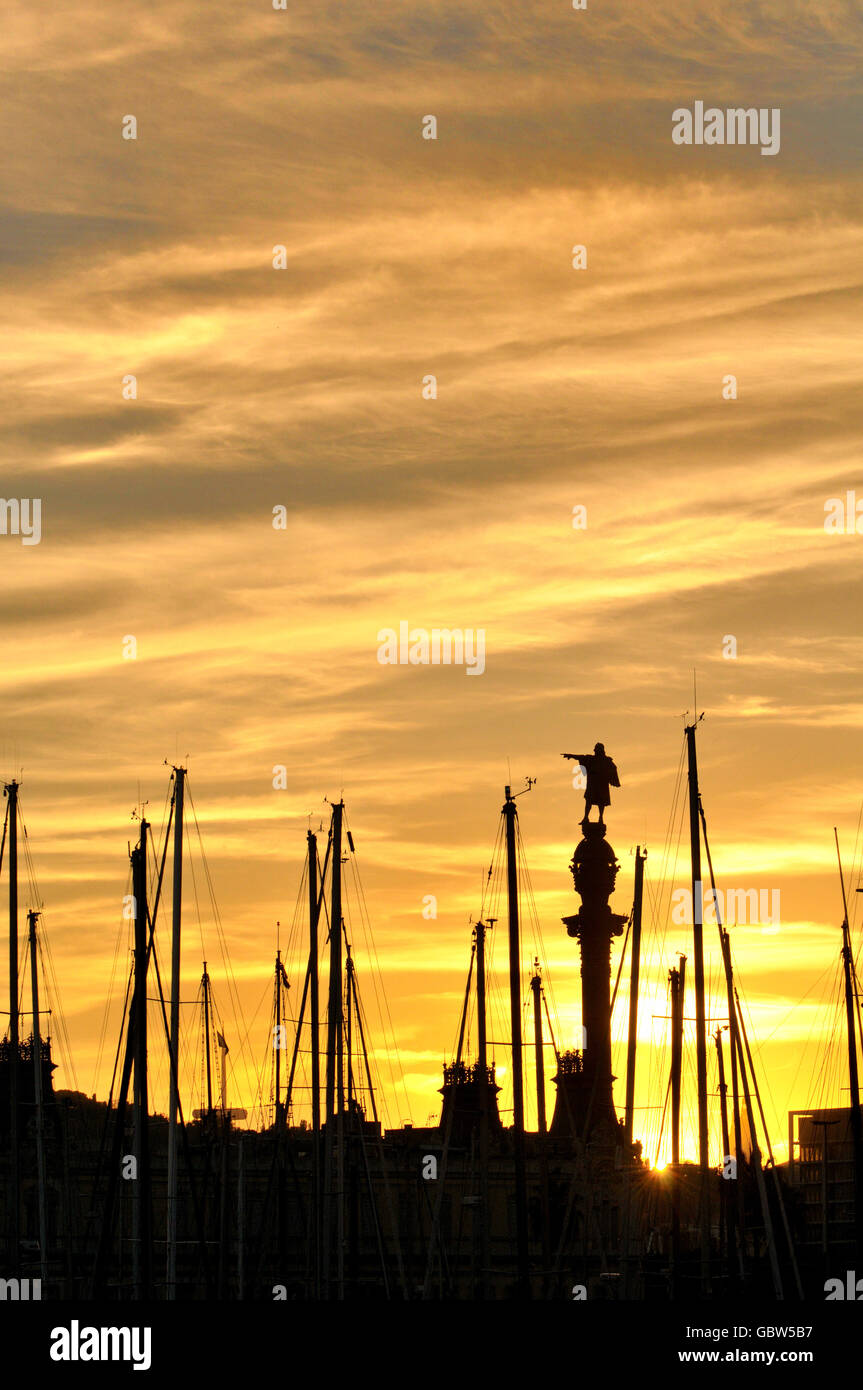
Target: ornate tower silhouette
column 584, row 1104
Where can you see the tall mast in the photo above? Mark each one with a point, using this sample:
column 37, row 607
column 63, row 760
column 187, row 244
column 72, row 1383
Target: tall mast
column 633, row 995
column 32, row 918
column 677, row 980
column 349, row 1012
column 174, row 1091
column 853, row 1082
column 223, row 1050
column 536, row 988
column 726, row 1207
column 541, row 1125
column 205, row 988
column 481, row 1042
column 334, row 1014
column 241, row 1218
column 485, row 1094
column 509, row 814
column 316, row 1055
column 142, row 1186
column 700, row 1011
column 340, row 1079
column 14, row 1154
column 737, row 1208
column 277, row 1121
column 629, row 1112
column 755, row 1152
column 335, row 1061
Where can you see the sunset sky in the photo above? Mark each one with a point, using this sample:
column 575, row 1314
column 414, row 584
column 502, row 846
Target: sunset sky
column 302, row 388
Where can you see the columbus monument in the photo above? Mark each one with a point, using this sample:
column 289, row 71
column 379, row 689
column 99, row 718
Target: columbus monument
column 584, row 1106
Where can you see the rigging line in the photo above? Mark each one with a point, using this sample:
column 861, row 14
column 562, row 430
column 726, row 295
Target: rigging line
column 856, row 988
column 550, row 1029
column 496, row 849
column 781, row 1203
column 854, row 862
column 359, row 1009
column 268, row 1065
column 759, row 1054
column 3, row 841
column 655, row 948
column 620, row 963
column 49, row 975
column 244, row 1047
column 658, row 938
column 377, row 974
column 154, row 843
column 528, row 897
column 718, row 915
column 129, row 984
column 498, row 997
column 123, row 929
column 822, row 1073
column 197, row 905
column 662, row 1120
column 458, row 1039
column 815, row 983
column 435, row 1235
column 370, row 942
column 55, row 1000
column 805, row 1050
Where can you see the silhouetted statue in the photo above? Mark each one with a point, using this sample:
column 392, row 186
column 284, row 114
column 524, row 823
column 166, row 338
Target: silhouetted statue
column 601, row 774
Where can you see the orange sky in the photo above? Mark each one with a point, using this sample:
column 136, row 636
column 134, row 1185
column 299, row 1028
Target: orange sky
column 557, row 388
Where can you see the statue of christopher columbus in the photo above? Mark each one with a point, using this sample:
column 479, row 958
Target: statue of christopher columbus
column 601, row 774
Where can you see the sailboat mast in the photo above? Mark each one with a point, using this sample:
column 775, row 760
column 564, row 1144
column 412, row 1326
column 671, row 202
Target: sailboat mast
column 14, row 1151
column 481, row 1042
column 334, row 1014
column 316, row 1054
column 335, row 1063
column 536, row 988
column 509, row 814
column 677, row 981
column 278, row 1042
column 632, row 1036
column 700, row 1011
column 853, row 1081
column 633, row 995
column 755, row 1151
column 726, row 1208
column 349, row 1013
column 32, row 918
column 739, row 1207
column 174, row 1082
column 205, row 987
column 485, row 1094
column 142, row 1186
